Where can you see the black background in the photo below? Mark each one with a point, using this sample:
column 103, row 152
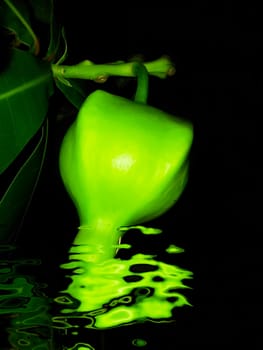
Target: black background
column 218, row 86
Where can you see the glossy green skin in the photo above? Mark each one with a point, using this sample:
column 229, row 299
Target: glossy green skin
column 123, row 163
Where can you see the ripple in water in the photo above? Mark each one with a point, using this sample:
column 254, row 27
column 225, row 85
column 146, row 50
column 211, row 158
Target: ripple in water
column 119, row 292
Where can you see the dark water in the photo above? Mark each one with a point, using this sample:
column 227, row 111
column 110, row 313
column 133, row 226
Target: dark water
column 35, row 294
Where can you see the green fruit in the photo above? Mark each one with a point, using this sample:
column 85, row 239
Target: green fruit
column 122, row 163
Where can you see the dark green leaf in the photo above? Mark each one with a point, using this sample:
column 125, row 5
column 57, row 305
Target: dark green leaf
column 21, row 185
column 25, row 88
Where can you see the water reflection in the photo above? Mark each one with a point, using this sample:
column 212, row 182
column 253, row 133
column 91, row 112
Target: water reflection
column 120, row 292
column 24, row 306
column 98, row 297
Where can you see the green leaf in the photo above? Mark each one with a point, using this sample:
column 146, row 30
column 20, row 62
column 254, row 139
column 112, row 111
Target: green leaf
column 18, row 195
column 25, row 88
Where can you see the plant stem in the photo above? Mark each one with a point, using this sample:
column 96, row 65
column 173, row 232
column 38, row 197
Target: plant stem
column 142, row 82
column 160, row 68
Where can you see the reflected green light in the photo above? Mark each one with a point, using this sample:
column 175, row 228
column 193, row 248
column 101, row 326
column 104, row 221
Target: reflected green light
column 139, row 342
column 120, row 292
column 24, row 306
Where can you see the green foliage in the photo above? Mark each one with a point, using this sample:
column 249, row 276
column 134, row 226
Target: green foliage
column 26, row 84
column 24, row 90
